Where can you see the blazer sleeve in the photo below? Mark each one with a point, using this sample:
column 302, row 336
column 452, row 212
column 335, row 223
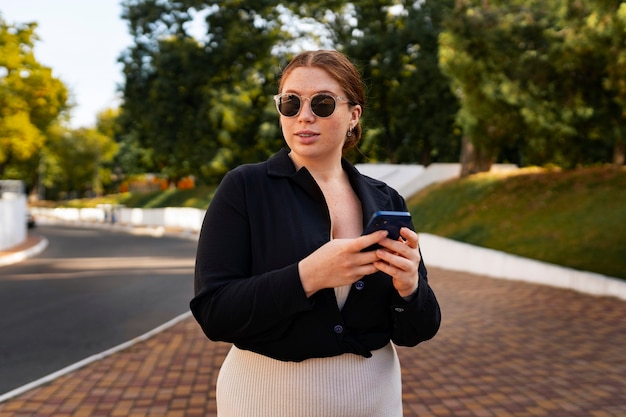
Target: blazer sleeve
column 230, row 304
column 419, row 318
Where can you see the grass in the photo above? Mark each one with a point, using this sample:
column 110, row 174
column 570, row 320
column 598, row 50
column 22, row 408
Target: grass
column 198, row 197
column 574, row 218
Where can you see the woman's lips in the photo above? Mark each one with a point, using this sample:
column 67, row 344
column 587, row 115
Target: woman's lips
column 307, row 136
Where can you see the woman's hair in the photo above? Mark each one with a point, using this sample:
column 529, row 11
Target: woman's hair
column 340, row 68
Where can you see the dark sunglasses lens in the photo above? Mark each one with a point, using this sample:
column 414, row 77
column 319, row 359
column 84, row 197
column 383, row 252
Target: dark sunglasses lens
column 323, row 105
column 289, row 105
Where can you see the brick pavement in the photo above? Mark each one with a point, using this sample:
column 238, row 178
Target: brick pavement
column 505, row 348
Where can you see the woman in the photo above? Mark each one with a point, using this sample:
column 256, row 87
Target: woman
column 281, row 270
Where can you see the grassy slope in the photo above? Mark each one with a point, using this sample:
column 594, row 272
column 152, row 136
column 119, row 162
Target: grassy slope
column 572, row 218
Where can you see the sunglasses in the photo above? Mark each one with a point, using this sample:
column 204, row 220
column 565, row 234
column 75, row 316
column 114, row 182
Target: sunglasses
column 322, row 104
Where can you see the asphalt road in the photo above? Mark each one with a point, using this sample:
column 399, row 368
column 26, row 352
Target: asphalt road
column 89, row 291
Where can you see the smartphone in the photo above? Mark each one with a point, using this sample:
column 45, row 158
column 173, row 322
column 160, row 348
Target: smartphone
column 391, row 221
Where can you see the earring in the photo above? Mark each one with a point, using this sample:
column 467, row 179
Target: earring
column 349, row 133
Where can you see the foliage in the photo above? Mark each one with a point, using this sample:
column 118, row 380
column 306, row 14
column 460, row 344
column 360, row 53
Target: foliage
column 537, row 82
column 76, row 162
column 129, row 160
column 522, row 81
column 574, row 218
column 203, row 106
column 31, row 101
column 411, row 111
column 199, row 106
column 532, row 80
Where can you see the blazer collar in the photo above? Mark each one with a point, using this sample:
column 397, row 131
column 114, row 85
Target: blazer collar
column 373, row 193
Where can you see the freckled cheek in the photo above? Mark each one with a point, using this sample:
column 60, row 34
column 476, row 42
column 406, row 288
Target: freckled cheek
column 287, row 127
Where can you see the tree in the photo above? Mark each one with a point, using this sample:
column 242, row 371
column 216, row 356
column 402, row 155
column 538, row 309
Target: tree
column 31, row 101
column 195, row 103
column 126, row 160
column 495, row 58
column 78, row 161
column 410, row 116
column 525, row 81
column 532, row 82
column 607, row 27
column 202, row 106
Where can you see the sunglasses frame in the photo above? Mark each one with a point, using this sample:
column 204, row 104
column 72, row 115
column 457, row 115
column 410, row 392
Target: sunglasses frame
column 337, row 99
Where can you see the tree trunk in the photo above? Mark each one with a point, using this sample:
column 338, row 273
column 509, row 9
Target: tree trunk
column 474, row 159
column 619, row 153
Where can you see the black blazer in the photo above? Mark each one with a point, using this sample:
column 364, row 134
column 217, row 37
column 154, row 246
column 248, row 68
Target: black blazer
column 265, row 218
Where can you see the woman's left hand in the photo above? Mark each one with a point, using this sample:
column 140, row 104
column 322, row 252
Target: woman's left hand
column 400, row 259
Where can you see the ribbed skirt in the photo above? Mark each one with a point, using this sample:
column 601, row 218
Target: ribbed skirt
column 253, row 385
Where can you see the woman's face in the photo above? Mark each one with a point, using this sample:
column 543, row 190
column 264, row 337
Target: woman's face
column 309, row 136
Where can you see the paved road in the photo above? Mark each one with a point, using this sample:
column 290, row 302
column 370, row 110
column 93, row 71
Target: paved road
column 90, row 290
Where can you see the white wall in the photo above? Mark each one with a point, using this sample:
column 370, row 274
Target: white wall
column 12, row 219
column 458, row 256
column 409, row 179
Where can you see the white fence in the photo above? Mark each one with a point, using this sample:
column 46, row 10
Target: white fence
column 174, row 218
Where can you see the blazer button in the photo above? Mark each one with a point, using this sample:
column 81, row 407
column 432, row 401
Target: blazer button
column 359, row 285
column 338, row 329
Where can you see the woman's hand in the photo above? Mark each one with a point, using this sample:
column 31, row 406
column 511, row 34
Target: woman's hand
column 339, row 262
column 400, row 259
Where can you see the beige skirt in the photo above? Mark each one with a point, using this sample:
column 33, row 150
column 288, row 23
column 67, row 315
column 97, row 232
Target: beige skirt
column 253, row 385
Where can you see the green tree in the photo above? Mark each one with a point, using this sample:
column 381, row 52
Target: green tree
column 31, row 101
column 124, row 160
column 410, row 116
column 497, row 59
column 78, row 162
column 199, row 106
column 531, row 81
column 606, row 28
column 202, row 106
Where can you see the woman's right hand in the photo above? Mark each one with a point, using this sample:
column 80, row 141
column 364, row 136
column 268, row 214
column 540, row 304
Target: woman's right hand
column 339, row 262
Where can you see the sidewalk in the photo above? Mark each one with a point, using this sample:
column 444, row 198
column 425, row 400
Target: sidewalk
column 505, row 348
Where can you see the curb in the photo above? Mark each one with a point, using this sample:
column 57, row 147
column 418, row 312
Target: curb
column 93, row 358
column 458, row 256
column 23, row 255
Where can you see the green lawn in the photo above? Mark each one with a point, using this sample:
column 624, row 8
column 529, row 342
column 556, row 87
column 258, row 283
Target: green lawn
column 572, row 218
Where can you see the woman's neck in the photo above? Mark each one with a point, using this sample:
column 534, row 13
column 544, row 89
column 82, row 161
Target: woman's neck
column 323, row 170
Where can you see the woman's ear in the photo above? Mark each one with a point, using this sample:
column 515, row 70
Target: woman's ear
column 355, row 115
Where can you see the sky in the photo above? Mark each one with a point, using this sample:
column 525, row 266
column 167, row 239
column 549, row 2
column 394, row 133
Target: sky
column 80, row 40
